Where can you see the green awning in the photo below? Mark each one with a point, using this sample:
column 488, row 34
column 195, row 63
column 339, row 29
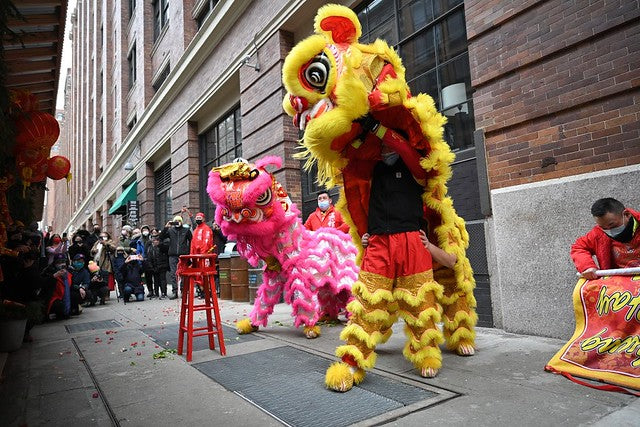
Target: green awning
column 130, row 193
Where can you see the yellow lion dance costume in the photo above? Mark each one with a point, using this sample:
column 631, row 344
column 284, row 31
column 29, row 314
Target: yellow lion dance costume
column 348, row 97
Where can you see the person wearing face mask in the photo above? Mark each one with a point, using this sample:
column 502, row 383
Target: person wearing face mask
column 179, row 244
column 57, row 246
column 125, row 236
column 614, row 240
column 56, row 289
column 80, row 280
column 78, row 247
column 93, row 237
column 140, row 242
column 202, row 241
column 103, row 252
column 325, row 215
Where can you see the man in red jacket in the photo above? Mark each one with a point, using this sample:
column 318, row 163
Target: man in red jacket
column 325, row 215
column 614, row 241
column 202, row 242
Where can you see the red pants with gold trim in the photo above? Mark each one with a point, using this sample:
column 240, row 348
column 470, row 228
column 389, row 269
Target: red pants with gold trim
column 396, row 279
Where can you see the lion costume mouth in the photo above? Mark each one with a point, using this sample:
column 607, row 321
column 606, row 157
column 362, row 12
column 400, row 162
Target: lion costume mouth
column 302, row 119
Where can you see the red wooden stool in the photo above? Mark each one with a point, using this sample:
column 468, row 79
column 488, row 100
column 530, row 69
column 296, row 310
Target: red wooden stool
column 200, row 268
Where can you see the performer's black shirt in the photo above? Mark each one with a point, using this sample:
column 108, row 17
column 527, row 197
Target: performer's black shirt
column 395, row 202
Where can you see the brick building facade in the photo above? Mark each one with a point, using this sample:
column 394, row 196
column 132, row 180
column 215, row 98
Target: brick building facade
column 549, row 104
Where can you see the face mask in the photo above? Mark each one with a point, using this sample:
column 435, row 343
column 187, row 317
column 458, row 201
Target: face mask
column 323, row 205
column 56, row 240
column 124, row 233
column 623, row 233
column 145, row 233
column 390, row 158
column 178, row 225
column 104, row 238
column 78, row 265
column 61, row 266
column 198, row 221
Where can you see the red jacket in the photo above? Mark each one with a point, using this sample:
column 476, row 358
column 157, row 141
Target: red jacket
column 202, row 241
column 595, row 242
column 331, row 218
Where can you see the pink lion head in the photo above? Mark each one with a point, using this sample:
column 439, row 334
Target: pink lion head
column 249, row 201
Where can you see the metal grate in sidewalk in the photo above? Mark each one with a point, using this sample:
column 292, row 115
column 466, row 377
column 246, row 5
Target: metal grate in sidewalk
column 167, row 336
column 288, row 383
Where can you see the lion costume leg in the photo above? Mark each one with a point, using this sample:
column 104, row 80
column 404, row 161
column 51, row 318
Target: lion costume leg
column 459, row 316
column 370, row 324
column 417, row 297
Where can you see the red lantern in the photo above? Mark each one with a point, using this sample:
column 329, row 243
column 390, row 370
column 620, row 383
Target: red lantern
column 58, row 167
column 37, row 130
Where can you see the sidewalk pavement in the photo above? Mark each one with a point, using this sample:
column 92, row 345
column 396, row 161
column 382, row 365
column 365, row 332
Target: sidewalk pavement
column 77, row 372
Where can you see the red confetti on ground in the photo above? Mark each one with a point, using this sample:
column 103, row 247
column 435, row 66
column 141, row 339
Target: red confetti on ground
column 95, row 395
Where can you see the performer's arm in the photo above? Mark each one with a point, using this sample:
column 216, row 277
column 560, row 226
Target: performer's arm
column 409, row 155
column 439, row 255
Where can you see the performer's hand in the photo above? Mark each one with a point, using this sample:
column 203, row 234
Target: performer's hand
column 365, row 240
column 589, row 273
column 424, row 239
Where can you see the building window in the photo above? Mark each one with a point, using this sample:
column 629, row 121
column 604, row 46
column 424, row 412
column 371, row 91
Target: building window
column 204, row 11
column 163, row 208
column 131, row 59
column 160, row 17
column 431, row 38
column 220, row 144
column 132, row 8
column 161, row 77
column 132, row 122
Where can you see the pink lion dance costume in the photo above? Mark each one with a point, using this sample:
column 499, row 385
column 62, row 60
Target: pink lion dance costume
column 314, row 269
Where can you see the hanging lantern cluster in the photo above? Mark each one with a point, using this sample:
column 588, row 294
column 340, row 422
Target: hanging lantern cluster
column 36, row 133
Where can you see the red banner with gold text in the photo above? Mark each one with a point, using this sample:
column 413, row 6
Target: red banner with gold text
column 606, row 343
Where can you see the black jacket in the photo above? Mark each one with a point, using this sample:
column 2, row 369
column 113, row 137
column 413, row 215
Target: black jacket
column 158, row 260
column 179, row 240
column 395, row 202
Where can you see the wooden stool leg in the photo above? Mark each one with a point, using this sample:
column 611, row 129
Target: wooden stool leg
column 206, row 285
column 183, row 313
column 188, row 289
column 216, row 312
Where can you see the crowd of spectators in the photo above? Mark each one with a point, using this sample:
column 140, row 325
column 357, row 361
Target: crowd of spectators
column 60, row 275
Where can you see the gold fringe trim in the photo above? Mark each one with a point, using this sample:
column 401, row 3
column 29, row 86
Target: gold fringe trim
column 357, row 355
column 357, row 332
column 428, row 357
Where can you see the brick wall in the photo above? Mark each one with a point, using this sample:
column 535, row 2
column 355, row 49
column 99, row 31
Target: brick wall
column 266, row 129
column 557, row 86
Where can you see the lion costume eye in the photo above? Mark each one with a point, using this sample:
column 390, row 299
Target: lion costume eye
column 264, row 198
column 316, row 73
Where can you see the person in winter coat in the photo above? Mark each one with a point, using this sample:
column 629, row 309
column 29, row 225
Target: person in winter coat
column 158, row 262
column 140, row 242
column 80, row 279
column 614, row 241
column 132, row 278
column 98, row 288
column 103, row 252
column 78, row 247
column 56, row 290
column 179, row 244
column 325, row 215
column 202, row 242
column 117, row 263
column 57, row 246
